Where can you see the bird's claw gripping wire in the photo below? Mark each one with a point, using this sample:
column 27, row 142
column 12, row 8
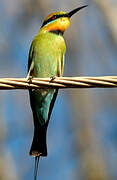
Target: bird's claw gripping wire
column 52, row 78
column 29, row 79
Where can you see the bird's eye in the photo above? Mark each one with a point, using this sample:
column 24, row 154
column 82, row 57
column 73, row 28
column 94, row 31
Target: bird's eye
column 53, row 17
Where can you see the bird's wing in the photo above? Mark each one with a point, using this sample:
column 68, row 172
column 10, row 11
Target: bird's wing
column 30, row 60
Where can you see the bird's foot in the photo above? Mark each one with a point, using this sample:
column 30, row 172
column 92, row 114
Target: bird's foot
column 29, row 79
column 52, row 78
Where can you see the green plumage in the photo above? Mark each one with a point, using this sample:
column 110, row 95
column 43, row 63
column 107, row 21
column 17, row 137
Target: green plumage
column 46, row 59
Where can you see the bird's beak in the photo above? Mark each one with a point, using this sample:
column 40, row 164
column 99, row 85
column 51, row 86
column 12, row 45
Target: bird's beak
column 75, row 11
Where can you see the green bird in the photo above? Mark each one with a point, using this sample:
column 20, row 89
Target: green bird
column 46, row 59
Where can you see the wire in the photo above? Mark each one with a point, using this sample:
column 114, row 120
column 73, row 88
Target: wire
column 59, row 82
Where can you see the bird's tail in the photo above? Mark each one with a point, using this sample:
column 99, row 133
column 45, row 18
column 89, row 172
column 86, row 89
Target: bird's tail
column 39, row 147
column 36, row 167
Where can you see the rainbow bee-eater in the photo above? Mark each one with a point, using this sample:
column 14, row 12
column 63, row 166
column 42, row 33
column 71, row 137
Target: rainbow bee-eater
column 46, row 59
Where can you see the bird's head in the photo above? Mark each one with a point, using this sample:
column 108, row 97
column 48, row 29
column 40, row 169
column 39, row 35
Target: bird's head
column 59, row 21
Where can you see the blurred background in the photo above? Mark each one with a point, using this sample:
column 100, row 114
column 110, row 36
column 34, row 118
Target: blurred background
column 82, row 134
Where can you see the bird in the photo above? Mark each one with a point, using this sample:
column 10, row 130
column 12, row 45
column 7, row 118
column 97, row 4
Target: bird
column 46, row 60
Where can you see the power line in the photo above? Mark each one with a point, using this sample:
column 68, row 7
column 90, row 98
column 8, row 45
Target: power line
column 59, row 82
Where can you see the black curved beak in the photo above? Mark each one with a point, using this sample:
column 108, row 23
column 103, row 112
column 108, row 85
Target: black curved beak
column 75, row 11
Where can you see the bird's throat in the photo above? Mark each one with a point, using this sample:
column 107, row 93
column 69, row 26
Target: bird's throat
column 58, row 32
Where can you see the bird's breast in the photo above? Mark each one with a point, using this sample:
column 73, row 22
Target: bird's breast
column 50, row 49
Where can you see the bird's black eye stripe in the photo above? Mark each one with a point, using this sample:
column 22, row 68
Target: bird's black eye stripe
column 52, row 19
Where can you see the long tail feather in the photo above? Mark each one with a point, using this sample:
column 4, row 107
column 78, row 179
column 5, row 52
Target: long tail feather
column 36, row 167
